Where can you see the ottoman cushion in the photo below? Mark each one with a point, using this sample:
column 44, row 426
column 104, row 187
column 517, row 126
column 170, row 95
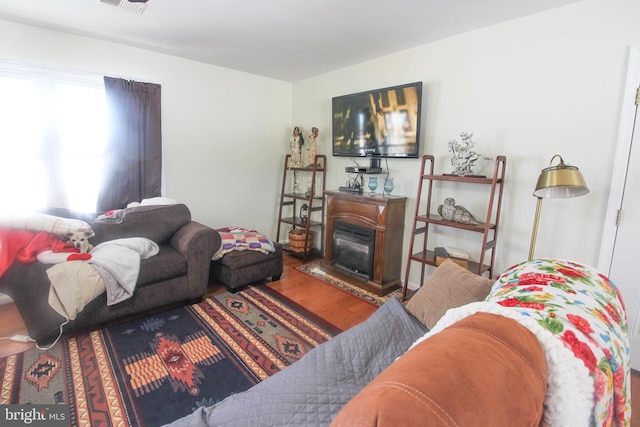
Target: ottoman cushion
column 243, row 267
column 239, row 259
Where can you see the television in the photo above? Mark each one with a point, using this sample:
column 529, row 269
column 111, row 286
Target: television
column 378, row 123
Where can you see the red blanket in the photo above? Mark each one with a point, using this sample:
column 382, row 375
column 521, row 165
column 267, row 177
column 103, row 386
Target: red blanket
column 24, row 246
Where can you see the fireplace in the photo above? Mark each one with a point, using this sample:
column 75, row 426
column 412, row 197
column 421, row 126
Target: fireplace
column 353, row 249
column 380, row 216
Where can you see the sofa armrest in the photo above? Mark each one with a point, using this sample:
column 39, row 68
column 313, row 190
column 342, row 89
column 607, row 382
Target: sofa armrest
column 485, row 370
column 197, row 243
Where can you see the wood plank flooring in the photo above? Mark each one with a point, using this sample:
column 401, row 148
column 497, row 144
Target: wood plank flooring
column 326, row 301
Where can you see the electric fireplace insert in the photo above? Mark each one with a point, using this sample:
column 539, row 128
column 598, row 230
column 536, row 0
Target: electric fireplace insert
column 353, row 249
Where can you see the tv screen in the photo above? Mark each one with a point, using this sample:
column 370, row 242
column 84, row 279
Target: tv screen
column 383, row 122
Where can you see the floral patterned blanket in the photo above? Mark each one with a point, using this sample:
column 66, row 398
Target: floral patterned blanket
column 579, row 318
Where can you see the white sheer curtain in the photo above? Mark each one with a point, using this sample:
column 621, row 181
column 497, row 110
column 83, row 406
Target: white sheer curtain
column 52, row 138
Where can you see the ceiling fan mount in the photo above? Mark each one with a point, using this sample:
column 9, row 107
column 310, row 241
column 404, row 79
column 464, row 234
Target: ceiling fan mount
column 137, row 6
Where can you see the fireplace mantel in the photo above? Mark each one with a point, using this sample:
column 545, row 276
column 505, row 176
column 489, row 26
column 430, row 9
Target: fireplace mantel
column 384, row 214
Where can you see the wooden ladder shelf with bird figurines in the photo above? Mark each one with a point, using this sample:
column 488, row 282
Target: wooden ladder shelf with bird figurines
column 424, row 219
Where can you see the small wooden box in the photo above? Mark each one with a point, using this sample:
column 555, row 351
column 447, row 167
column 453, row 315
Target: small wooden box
column 442, row 256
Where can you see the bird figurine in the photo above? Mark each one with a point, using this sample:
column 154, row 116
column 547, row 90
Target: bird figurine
column 456, row 213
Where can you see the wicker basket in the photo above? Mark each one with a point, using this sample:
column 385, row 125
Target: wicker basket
column 297, row 240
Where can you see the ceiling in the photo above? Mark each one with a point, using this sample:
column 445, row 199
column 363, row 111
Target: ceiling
column 288, row 40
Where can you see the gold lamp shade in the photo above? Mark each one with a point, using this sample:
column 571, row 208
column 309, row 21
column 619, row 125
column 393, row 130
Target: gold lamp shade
column 559, row 181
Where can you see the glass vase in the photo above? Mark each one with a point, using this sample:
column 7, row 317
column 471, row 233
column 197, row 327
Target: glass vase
column 388, row 186
column 373, row 184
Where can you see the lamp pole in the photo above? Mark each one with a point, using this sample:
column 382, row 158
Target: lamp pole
column 534, row 234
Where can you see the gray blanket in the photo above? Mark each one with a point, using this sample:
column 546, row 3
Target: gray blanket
column 311, row 391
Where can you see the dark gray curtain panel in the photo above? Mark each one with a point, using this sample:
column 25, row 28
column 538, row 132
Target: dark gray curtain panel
column 133, row 167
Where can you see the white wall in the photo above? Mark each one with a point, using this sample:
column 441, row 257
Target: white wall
column 225, row 132
column 547, row 84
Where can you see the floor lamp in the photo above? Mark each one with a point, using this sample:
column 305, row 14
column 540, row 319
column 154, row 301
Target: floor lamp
column 559, row 181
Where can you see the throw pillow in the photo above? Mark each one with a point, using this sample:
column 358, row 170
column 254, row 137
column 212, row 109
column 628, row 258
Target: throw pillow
column 450, row 286
column 156, row 222
column 48, row 223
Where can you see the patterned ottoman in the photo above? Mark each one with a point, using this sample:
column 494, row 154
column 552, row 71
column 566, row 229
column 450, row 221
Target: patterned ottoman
column 240, row 268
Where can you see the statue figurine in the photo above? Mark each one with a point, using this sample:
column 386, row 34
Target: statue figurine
column 456, row 213
column 312, row 146
column 463, row 155
column 296, row 141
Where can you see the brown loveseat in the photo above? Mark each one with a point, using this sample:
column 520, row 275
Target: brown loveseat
column 178, row 273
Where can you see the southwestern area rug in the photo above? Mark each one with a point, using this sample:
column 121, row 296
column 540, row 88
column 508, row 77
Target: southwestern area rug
column 151, row 371
column 313, row 269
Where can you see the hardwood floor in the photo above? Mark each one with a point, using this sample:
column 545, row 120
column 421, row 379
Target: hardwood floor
column 338, row 307
column 326, row 301
column 11, row 324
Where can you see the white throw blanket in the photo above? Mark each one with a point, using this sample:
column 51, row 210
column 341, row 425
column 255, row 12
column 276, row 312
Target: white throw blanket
column 118, row 262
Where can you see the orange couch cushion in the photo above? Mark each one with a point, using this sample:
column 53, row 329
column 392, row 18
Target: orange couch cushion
column 485, row 370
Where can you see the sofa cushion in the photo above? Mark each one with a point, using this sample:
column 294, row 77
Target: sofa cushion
column 164, row 266
column 157, row 222
column 485, row 370
column 450, row 286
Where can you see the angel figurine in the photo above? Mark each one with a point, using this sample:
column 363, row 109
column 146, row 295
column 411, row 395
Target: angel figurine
column 312, row 146
column 296, row 142
column 456, row 213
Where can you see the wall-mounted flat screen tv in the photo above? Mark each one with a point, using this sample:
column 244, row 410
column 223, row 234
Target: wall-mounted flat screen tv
column 378, row 123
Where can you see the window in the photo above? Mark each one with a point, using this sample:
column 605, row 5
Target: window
column 52, row 138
